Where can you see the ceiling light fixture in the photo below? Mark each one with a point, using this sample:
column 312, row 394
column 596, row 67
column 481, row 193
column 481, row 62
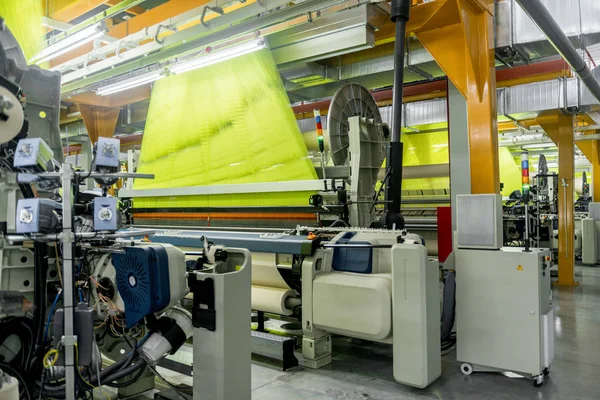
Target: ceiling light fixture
column 131, row 83
column 198, row 62
column 539, row 145
column 218, row 56
column 69, row 43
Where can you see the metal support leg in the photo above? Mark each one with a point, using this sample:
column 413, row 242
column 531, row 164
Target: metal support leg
column 260, row 318
column 316, row 343
column 69, row 340
column 458, row 139
column 222, row 331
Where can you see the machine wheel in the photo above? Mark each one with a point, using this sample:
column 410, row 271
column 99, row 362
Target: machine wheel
column 466, row 369
column 538, row 381
column 547, row 371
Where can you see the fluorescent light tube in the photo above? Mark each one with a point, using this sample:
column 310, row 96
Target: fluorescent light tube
column 130, row 83
column 218, row 56
column 188, row 65
column 538, row 145
column 67, row 44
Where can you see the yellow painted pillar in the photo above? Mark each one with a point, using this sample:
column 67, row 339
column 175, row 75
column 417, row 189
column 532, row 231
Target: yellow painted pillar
column 595, row 189
column 559, row 128
column 591, row 149
column 459, row 34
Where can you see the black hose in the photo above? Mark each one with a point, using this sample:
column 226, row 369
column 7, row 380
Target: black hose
column 59, row 392
column 39, row 299
column 132, row 355
column 21, row 327
column 122, row 373
column 449, row 305
column 129, row 382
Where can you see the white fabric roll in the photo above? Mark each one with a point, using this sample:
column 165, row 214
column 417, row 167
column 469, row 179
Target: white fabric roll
column 271, row 300
column 265, row 272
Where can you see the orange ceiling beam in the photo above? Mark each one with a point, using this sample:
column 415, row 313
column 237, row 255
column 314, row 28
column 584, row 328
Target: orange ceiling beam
column 135, row 10
column 151, row 17
column 75, row 9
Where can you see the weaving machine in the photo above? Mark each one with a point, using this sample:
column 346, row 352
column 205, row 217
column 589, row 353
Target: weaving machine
column 306, row 220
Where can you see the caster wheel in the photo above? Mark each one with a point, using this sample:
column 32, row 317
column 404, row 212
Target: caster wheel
column 538, row 381
column 546, row 371
column 466, row 369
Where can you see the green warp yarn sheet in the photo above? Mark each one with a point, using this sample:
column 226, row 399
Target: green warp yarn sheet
column 228, row 123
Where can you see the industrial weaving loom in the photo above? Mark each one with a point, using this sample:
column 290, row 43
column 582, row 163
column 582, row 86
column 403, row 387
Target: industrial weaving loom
column 226, row 124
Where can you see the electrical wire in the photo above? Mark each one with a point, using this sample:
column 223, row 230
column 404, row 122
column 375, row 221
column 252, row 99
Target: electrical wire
column 81, row 376
column 50, row 314
column 49, row 363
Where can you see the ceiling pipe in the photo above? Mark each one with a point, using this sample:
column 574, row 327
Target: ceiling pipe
column 541, row 16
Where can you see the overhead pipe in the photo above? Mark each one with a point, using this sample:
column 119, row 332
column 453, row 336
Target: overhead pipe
column 541, row 16
column 400, row 12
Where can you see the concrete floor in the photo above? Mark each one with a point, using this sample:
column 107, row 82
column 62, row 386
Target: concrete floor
column 362, row 370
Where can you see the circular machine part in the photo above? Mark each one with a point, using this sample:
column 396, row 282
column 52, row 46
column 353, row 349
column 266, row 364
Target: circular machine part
column 350, row 100
column 466, row 368
column 11, row 115
column 106, row 288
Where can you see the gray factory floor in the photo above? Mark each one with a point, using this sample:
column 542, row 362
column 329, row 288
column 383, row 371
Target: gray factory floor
column 363, row 370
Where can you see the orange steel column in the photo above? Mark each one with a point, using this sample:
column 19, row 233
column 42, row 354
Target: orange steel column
column 591, row 149
column 559, row 128
column 99, row 121
column 459, row 34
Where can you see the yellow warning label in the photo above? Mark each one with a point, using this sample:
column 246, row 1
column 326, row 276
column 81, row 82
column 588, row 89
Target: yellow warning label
column 520, row 268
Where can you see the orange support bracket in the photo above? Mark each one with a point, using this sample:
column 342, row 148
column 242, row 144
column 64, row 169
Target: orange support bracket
column 591, row 149
column 459, row 34
column 99, row 121
column 559, row 127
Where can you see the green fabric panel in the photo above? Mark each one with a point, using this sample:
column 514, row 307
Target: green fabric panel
column 24, row 19
column 228, row 123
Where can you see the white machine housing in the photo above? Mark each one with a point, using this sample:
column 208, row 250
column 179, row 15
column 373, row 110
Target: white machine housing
column 504, row 314
column 590, row 235
column 479, row 221
column 397, row 301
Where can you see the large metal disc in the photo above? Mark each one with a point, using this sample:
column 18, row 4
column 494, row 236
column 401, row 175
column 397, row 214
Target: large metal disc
column 350, row 100
column 12, row 119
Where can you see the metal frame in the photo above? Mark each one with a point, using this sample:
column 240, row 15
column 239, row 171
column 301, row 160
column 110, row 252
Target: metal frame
column 262, row 187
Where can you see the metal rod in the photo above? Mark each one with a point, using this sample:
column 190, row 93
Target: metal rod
column 398, row 88
column 544, row 20
column 358, row 246
column 57, row 175
column 526, row 227
column 400, row 10
column 292, row 302
column 57, row 237
column 69, row 339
